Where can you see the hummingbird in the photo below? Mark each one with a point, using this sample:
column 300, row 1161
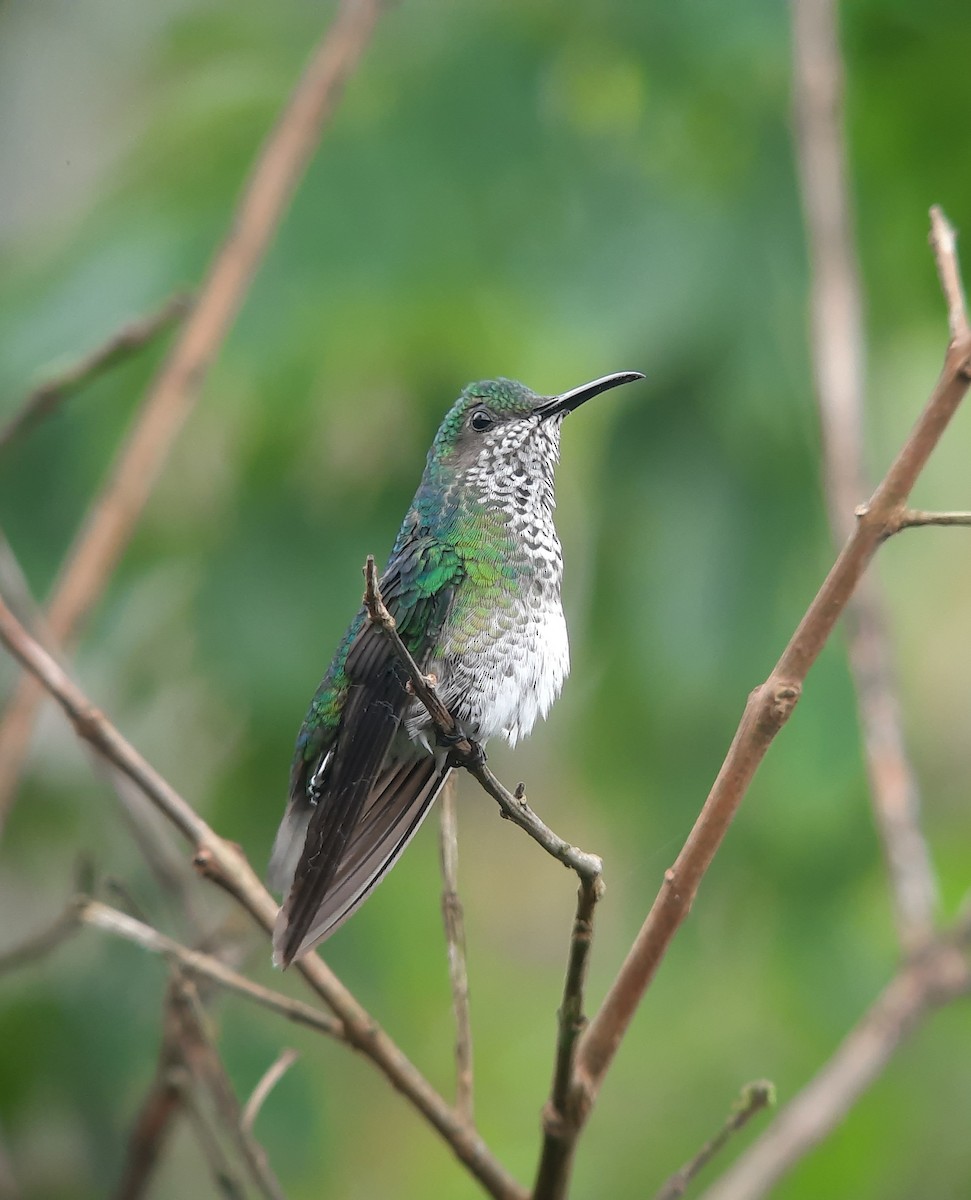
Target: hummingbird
column 473, row 583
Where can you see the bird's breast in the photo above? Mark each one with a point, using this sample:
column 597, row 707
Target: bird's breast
column 504, row 654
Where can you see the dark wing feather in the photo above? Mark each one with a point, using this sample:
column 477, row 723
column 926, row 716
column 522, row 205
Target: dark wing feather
column 401, row 799
column 358, row 809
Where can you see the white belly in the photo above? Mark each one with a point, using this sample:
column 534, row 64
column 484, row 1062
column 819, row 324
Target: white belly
column 510, row 670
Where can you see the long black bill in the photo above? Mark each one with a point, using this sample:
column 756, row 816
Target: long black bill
column 572, row 399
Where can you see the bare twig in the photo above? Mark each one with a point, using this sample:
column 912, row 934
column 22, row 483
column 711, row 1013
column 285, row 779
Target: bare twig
column 51, row 394
column 224, row 863
column 136, row 810
column 914, row 518
column 225, row 1179
column 836, row 304
column 559, row 1132
column 944, row 244
column 15, row 586
column 203, row 966
column 170, row 1094
column 201, row 1057
column 931, row 979
column 114, row 514
column 272, row 1076
column 455, row 941
column 469, row 754
column 767, row 710
column 754, row 1097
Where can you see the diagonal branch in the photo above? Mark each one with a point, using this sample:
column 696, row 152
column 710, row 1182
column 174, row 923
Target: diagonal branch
column 768, row 708
column 926, row 982
column 224, row 864
column 113, row 516
column 198, row 964
column 837, row 337
column 754, row 1098
column 47, row 397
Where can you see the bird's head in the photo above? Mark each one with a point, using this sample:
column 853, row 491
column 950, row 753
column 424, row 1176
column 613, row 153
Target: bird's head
column 499, row 432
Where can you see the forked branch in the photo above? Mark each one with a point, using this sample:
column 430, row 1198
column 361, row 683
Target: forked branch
column 224, row 864
column 767, row 710
column 838, row 352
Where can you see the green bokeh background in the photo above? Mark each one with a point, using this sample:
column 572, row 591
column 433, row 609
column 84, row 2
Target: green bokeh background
column 548, row 192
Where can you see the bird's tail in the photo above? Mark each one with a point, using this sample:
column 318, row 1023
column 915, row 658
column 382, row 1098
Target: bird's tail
column 398, row 803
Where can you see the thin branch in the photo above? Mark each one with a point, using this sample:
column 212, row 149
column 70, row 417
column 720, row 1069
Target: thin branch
column 928, row 981
column 943, row 242
column 15, row 586
column 469, row 754
column 454, row 922
column 224, row 1177
column 50, row 395
column 754, row 1098
column 203, row 966
column 114, row 514
column 836, row 303
column 169, row 1095
column 201, row 1057
column 767, row 710
column 559, row 1130
column 274, row 1073
column 914, row 518
column 224, row 864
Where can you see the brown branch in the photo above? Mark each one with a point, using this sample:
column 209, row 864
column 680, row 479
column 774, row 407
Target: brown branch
column 929, row 980
column 469, row 754
column 170, row 1094
column 767, row 710
column 50, row 395
column 271, row 1077
column 15, row 586
column 201, row 1057
column 201, row 965
column 225, row 1179
column 454, row 922
column 838, row 356
column 559, row 1132
column 754, row 1098
column 115, row 512
column 915, row 518
column 223, row 863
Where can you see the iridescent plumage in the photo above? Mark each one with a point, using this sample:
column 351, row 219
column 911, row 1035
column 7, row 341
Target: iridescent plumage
column 473, row 582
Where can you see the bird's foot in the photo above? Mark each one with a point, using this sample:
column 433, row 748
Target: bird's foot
column 464, row 751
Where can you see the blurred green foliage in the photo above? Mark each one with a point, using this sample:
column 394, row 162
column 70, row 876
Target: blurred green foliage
column 548, row 192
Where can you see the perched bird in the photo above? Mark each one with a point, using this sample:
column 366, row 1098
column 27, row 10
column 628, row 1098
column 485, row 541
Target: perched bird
column 473, row 583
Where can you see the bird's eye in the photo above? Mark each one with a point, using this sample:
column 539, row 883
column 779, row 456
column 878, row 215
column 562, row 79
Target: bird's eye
column 481, row 420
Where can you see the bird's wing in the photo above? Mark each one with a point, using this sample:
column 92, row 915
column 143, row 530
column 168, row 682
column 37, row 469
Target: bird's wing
column 352, row 809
